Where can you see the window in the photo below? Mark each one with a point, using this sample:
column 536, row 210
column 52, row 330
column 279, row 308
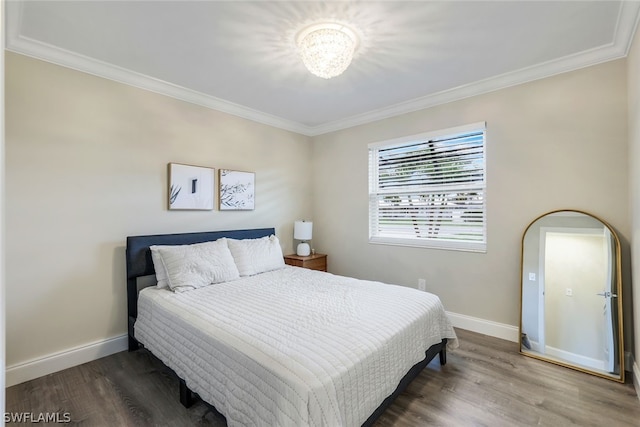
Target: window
column 429, row 190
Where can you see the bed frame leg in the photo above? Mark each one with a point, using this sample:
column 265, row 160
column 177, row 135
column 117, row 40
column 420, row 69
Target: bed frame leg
column 186, row 395
column 443, row 356
column 133, row 344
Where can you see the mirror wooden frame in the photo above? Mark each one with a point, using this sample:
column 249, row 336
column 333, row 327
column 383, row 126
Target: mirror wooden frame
column 617, row 268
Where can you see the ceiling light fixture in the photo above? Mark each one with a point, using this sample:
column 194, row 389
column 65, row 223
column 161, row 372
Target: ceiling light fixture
column 327, row 49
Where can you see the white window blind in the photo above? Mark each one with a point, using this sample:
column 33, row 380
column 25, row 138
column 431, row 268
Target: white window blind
column 429, row 190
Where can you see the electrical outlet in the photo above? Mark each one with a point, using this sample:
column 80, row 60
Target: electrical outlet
column 422, row 284
column 569, row 292
column 532, row 277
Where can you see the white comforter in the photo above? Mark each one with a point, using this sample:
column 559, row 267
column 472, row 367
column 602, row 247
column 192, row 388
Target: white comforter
column 292, row 347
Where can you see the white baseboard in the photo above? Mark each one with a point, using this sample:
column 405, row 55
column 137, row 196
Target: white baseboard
column 535, row 345
column 511, row 333
column 486, row 327
column 36, row 368
column 46, row 365
column 578, row 359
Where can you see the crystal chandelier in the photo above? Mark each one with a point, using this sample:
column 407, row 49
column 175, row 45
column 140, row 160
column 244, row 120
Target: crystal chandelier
column 327, row 49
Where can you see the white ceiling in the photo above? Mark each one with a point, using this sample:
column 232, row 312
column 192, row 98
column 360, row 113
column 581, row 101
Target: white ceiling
column 239, row 56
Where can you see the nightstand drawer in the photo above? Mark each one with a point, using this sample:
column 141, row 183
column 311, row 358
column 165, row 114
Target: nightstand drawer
column 316, row 264
column 313, row 262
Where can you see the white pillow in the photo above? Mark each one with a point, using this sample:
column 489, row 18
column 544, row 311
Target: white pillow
column 254, row 256
column 194, row 266
column 161, row 272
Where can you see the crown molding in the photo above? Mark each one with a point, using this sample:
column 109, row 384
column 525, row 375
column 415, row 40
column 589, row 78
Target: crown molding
column 626, row 26
column 628, row 19
column 36, row 49
column 26, row 46
column 540, row 71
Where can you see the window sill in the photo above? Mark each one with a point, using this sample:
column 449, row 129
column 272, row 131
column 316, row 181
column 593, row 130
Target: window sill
column 431, row 244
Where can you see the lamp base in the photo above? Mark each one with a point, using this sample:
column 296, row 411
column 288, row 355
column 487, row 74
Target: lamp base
column 303, row 249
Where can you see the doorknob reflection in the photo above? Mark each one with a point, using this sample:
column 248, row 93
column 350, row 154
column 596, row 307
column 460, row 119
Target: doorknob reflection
column 607, row 294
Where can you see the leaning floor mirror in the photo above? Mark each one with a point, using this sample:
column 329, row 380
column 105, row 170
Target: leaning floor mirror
column 571, row 300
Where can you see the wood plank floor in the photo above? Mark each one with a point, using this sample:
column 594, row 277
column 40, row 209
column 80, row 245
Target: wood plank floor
column 485, row 383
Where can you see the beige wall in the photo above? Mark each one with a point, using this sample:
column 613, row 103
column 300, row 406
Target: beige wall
column 86, row 165
column 633, row 73
column 555, row 143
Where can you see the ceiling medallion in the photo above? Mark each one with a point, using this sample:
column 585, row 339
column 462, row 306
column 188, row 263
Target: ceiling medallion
column 327, row 48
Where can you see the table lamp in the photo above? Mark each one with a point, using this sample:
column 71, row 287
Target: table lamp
column 302, row 230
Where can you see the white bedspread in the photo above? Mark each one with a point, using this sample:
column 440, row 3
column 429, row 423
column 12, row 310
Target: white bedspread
column 292, row 347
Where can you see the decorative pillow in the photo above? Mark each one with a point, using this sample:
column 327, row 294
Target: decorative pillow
column 253, row 256
column 161, row 272
column 194, row 266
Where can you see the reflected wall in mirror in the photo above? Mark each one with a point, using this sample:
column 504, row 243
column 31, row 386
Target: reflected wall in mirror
column 571, row 301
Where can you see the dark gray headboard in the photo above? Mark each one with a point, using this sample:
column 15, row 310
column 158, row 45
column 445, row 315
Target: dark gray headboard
column 139, row 262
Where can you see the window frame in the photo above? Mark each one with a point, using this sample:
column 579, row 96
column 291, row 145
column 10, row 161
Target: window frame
column 425, row 242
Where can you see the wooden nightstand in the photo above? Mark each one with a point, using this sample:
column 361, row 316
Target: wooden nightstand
column 313, row 262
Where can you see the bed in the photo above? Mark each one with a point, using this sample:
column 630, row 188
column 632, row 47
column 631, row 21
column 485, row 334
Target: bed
column 285, row 346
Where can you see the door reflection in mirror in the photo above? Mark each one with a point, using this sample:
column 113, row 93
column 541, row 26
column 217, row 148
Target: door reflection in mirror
column 571, row 302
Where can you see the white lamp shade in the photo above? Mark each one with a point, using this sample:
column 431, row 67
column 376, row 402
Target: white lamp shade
column 302, row 230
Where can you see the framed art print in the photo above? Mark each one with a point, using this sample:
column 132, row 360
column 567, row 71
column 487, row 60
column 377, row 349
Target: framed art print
column 190, row 187
column 237, row 190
